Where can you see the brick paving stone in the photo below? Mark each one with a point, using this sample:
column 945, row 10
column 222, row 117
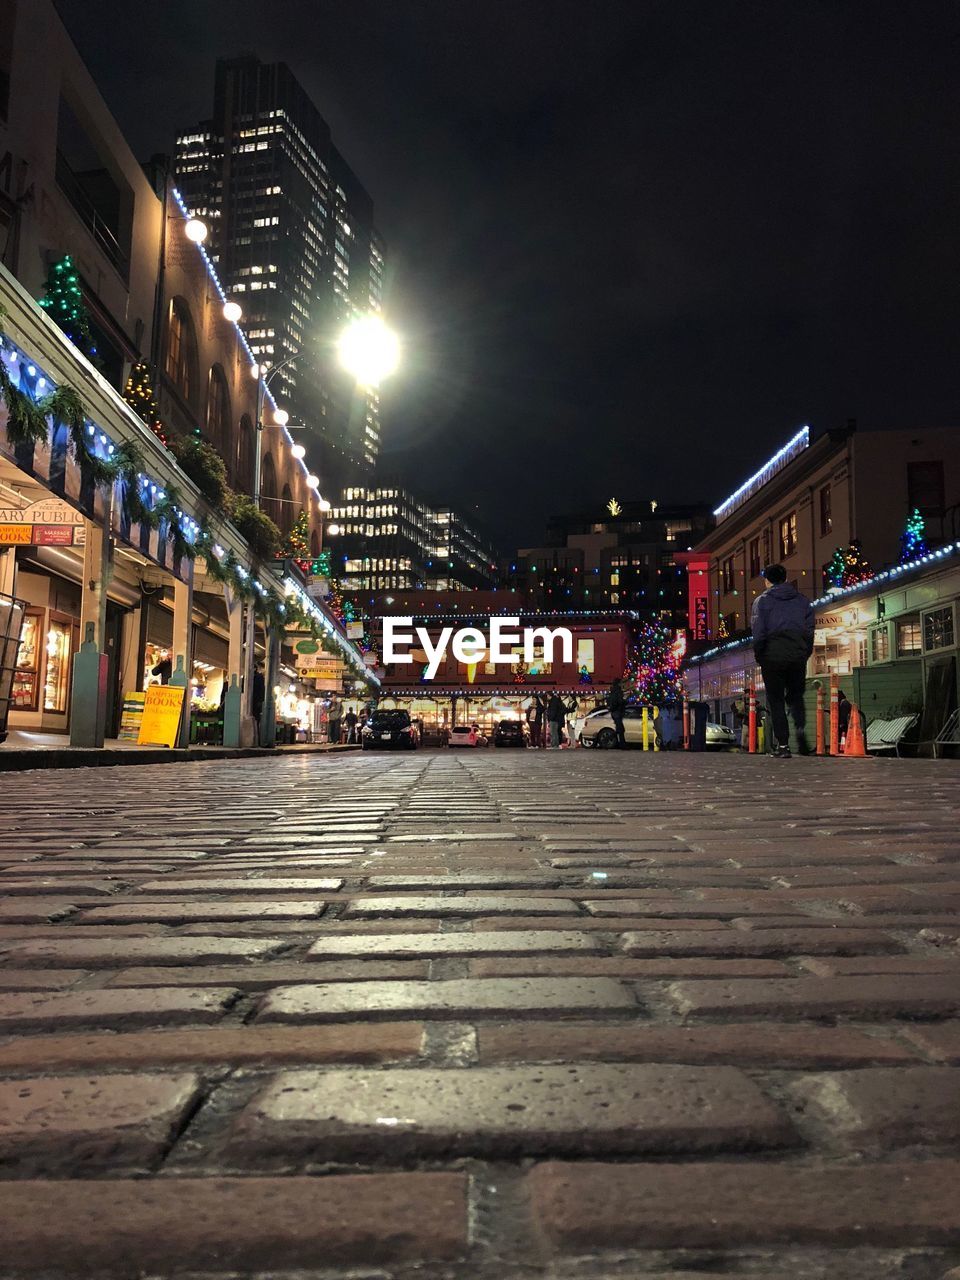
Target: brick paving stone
column 586, row 1207
column 840, row 966
column 106, row 953
column 71, row 1124
column 259, row 976
column 457, row 998
column 758, row 942
column 872, row 996
column 453, row 944
column 622, row 967
column 39, row 979
column 181, row 1225
column 465, row 880
column 35, row 910
column 885, row 1108
column 48, row 1011
column 234, row 885
column 752, row 1044
column 59, row 885
column 507, row 1111
column 941, row 1042
column 601, row 924
column 468, row 905
column 240, row 1046
column 664, row 907
column 175, row 912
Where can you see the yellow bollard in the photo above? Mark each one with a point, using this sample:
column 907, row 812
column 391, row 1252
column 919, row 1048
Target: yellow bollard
column 645, row 729
column 656, row 744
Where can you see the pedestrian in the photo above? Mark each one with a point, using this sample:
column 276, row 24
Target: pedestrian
column 844, row 707
column 258, row 690
column 616, row 703
column 783, row 625
column 350, row 720
column 540, row 709
column 555, row 716
column 164, row 668
column 333, row 720
column 569, row 726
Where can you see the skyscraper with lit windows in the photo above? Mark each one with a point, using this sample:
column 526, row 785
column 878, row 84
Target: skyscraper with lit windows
column 292, row 233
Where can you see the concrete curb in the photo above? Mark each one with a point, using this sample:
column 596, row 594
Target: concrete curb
column 14, row 760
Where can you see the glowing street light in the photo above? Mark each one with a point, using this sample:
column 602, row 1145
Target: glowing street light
column 195, row 230
column 313, row 482
column 369, row 350
column 281, row 417
column 325, row 505
column 298, row 451
column 232, row 311
column 333, row 530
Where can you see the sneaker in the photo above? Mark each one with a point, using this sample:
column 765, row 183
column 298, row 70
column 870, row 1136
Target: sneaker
column 783, row 753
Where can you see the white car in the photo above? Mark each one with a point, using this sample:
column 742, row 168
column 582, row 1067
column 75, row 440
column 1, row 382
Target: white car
column 599, row 731
column 466, row 735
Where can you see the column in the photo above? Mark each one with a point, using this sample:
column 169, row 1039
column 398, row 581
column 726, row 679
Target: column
column 88, row 685
column 183, row 644
column 232, row 704
column 96, row 577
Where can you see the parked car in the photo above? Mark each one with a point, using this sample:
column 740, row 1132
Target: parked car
column 466, row 735
column 721, row 735
column 511, row 733
column 598, row 731
column 389, row 728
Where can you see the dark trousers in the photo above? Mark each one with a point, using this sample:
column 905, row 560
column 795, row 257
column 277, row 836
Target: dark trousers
column 785, row 686
column 618, row 725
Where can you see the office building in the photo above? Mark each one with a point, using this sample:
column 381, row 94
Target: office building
column 292, row 234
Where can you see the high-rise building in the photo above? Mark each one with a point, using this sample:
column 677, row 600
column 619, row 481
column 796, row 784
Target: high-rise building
column 390, row 540
column 292, row 234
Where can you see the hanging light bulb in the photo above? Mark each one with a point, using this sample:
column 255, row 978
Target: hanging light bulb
column 281, row 417
column 298, row 451
column 195, row 230
column 232, row 311
column 313, row 482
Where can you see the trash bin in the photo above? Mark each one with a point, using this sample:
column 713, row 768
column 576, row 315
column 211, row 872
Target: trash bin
column 698, row 726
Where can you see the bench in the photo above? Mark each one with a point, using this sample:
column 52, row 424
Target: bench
column 886, row 735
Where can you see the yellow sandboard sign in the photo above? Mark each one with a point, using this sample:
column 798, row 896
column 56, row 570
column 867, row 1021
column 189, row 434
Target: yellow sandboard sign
column 162, row 708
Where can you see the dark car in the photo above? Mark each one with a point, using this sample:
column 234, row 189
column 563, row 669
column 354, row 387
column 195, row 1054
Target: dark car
column 391, row 728
column 510, row 733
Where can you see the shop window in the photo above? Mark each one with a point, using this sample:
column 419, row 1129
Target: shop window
column 788, row 536
column 728, row 575
column 57, row 666
column 938, row 631
column 925, row 487
column 585, row 655
column 880, row 645
column 826, row 511
column 26, row 677
column 908, row 638
column 181, row 351
column 755, row 565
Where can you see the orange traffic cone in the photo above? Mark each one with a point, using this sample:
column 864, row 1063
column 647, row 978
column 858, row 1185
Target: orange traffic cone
column 853, row 743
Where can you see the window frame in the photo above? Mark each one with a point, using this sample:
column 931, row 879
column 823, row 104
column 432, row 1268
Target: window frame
column 949, row 613
column 788, row 535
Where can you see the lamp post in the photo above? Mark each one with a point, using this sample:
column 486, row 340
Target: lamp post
column 263, row 383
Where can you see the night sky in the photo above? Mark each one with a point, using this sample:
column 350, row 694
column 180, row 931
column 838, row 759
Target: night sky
column 632, row 245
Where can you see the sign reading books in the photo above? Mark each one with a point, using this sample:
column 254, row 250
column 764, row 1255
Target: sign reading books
column 162, row 708
column 48, row 523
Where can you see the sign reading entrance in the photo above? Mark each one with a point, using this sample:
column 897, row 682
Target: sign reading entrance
column 162, row 708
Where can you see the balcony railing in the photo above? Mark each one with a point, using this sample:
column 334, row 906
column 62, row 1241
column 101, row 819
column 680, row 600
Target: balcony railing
column 72, row 188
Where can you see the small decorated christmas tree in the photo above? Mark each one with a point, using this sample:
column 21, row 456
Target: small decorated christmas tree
column 833, row 571
column 652, row 677
column 141, row 398
column 63, row 303
column 320, row 566
column 912, row 542
column 856, row 566
column 296, row 546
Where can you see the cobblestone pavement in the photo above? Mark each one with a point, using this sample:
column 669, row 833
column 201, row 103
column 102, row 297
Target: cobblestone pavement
column 500, row 1014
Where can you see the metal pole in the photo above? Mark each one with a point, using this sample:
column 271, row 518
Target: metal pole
column 834, row 715
column 821, row 744
column 751, row 720
column 258, row 433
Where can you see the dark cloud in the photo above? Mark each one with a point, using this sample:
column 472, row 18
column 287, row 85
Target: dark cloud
column 632, row 246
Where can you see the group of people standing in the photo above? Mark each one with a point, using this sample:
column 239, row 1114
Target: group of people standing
column 547, row 720
column 340, row 724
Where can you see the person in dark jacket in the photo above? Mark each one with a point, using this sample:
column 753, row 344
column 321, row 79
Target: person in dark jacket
column 556, row 714
column 615, row 705
column 783, row 625
column 537, row 710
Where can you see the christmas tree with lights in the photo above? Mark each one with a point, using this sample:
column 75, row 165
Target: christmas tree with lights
column 296, row 546
column 320, row 566
column 912, row 542
column 652, row 677
column 141, row 398
column 63, row 303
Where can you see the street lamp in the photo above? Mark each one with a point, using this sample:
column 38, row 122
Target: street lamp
column 369, row 350
column 195, row 230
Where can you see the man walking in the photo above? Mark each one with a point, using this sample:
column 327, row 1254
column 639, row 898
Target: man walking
column 556, row 713
column 783, row 625
column 615, row 705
